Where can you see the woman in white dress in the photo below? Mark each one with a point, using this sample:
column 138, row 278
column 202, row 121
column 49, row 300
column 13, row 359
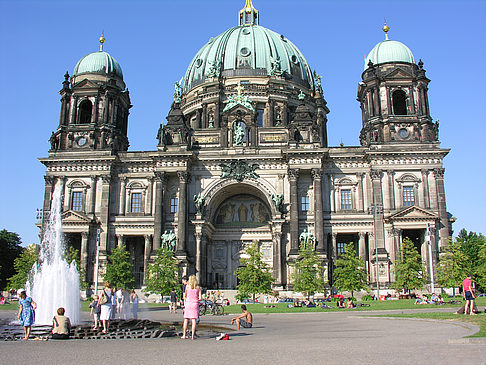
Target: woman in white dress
column 106, row 307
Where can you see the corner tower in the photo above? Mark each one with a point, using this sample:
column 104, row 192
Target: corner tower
column 94, row 106
column 393, row 97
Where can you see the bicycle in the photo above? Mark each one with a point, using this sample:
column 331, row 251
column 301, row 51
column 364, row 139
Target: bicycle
column 207, row 306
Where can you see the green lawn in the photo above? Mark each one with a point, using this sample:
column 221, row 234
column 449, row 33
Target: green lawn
column 374, row 305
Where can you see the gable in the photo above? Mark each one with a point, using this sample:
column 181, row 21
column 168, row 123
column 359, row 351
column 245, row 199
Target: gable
column 398, row 73
column 413, row 213
column 72, row 217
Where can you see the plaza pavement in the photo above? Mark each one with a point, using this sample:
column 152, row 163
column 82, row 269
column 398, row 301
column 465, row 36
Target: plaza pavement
column 296, row 338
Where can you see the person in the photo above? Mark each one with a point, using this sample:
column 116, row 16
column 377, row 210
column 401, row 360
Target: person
column 184, row 283
column 119, row 302
column 95, row 311
column 134, row 301
column 173, row 302
column 350, row 303
column 125, row 305
column 106, row 308
column 468, row 293
column 340, row 303
column 245, row 319
column 26, row 313
column 192, row 296
column 434, row 298
column 61, row 326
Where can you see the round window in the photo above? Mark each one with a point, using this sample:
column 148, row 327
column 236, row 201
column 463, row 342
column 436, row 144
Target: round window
column 199, row 62
column 403, row 132
column 294, row 59
column 245, row 52
column 246, row 31
column 82, row 141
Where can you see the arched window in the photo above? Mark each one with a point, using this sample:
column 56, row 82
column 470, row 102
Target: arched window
column 85, row 110
column 399, row 102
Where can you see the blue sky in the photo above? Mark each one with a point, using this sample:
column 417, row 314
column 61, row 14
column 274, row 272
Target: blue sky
column 154, row 41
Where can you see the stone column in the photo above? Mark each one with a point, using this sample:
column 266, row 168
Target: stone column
column 294, row 212
column 120, row 240
column 318, row 219
column 123, row 195
column 359, row 177
column 105, row 212
column 332, row 192
column 92, row 198
column 64, row 202
column 182, row 213
column 334, row 247
column 277, row 256
column 391, row 190
column 362, row 245
column 49, row 180
column 146, row 255
column 84, row 253
column 326, row 194
column 378, row 201
column 199, row 236
column 425, row 188
column 441, row 202
column 160, row 181
column 148, row 201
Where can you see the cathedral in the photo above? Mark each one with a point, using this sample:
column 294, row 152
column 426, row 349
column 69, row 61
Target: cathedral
column 244, row 157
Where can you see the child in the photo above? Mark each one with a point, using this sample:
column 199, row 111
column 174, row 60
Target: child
column 95, row 311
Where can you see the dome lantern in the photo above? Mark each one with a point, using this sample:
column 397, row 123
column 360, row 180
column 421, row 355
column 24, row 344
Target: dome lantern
column 248, row 15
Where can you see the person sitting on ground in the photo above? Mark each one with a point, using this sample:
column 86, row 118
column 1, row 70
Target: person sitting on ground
column 434, row 298
column 310, row 304
column 425, row 299
column 244, row 320
column 340, row 303
column 297, row 303
column 440, row 300
column 350, row 303
column 61, row 326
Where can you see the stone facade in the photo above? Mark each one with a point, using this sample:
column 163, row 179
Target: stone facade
column 235, row 142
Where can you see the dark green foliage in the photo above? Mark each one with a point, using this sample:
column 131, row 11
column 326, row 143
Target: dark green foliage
column 350, row 273
column 308, row 277
column 119, row 269
column 453, row 265
column 163, row 275
column 23, row 265
column 472, row 245
column 409, row 269
column 254, row 276
column 10, row 249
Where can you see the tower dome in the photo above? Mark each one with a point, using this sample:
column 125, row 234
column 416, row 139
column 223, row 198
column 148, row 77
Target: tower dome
column 248, row 50
column 389, row 51
column 99, row 62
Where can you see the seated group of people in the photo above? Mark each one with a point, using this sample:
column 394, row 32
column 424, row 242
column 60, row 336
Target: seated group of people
column 349, row 303
column 434, row 299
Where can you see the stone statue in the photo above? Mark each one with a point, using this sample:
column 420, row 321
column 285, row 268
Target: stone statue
column 214, row 69
column 199, row 201
column 317, row 82
column 238, row 134
column 169, row 240
column 178, row 91
column 54, row 142
column 276, row 68
column 278, row 201
column 306, row 237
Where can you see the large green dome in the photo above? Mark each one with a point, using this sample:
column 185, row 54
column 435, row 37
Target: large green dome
column 98, row 62
column 248, row 50
column 389, row 51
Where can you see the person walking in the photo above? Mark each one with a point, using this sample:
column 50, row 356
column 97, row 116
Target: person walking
column 192, row 296
column 26, row 313
column 173, row 301
column 469, row 296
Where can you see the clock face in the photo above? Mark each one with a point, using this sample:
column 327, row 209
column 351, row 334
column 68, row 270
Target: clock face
column 403, row 133
column 82, row 141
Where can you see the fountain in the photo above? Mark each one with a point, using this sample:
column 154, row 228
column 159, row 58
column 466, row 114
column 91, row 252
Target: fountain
column 54, row 283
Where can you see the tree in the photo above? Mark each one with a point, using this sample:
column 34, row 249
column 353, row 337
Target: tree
column 471, row 245
column 254, row 276
column 481, row 270
column 409, row 269
column 10, row 249
column 452, row 267
column 163, row 275
column 350, row 274
column 308, row 278
column 119, row 269
column 23, row 265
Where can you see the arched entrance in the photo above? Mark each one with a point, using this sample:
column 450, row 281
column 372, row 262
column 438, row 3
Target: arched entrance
column 239, row 214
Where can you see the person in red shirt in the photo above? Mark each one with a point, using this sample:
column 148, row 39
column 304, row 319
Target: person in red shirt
column 468, row 293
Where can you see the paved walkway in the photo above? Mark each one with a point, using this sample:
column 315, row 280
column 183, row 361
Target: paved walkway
column 298, row 338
